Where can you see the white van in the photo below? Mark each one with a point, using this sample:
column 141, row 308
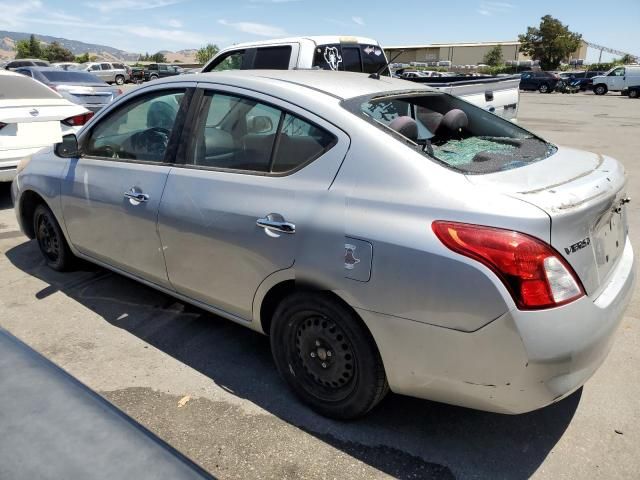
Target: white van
column 618, row 79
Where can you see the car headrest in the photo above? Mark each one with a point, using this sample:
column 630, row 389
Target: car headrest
column 161, row 114
column 454, row 120
column 406, row 126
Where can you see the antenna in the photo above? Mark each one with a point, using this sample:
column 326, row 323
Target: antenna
column 376, row 75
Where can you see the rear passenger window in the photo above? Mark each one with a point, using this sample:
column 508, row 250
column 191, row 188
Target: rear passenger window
column 276, row 58
column 299, row 143
column 238, row 133
column 231, row 61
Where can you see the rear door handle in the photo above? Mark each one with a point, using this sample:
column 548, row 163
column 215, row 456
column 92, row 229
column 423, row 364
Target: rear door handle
column 136, row 196
column 276, row 222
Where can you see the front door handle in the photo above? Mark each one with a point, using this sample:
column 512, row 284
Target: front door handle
column 276, row 222
column 136, row 196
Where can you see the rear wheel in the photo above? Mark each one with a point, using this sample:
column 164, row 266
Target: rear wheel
column 633, row 93
column 600, row 89
column 119, row 80
column 153, row 77
column 544, row 88
column 327, row 356
column 53, row 246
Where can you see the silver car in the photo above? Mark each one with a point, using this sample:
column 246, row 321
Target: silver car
column 384, row 235
column 109, row 72
column 76, row 86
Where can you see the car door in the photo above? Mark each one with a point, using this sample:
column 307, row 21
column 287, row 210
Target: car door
column 110, row 194
column 240, row 204
column 107, row 72
column 527, row 81
column 616, row 79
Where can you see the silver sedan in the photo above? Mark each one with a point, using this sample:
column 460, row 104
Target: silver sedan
column 384, row 235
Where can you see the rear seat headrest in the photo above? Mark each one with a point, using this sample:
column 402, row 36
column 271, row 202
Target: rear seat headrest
column 454, row 120
column 406, row 126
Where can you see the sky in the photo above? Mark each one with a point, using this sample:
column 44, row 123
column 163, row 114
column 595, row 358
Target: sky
column 153, row 25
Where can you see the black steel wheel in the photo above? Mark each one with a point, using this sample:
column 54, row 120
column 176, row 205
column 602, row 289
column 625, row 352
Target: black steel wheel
column 327, row 356
column 53, row 246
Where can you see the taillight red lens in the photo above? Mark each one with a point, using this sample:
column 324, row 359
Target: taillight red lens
column 78, row 120
column 534, row 273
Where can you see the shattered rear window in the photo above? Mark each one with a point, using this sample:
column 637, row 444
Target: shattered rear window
column 453, row 132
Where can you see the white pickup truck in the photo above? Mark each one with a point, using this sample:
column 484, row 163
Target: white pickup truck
column 499, row 95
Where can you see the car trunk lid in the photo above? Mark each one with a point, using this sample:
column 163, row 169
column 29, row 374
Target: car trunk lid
column 584, row 195
column 34, row 123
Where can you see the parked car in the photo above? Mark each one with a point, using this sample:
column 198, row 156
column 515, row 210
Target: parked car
column 618, row 79
column 634, row 92
column 67, row 65
column 76, row 86
column 26, row 62
column 109, row 72
column 32, row 116
column 408, row 75
column 161, row 70
column 137, row 75
column 359, row 54
column 498, row 281
column 351, row 54
column 584, row 79
column 544, row 82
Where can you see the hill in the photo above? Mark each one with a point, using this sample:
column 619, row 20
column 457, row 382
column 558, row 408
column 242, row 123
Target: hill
column 102, row 52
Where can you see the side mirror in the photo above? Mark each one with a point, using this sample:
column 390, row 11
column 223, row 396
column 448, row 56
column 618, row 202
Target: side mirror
column 68, row 148
column 259, row 124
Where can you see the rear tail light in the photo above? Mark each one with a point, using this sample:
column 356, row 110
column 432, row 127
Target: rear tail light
column 78, row 120
column 534, row 273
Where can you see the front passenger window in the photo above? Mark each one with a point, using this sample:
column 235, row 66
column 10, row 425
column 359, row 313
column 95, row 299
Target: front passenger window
column 140, row 130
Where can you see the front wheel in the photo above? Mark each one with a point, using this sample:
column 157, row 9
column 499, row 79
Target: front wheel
column 153, row 77
column 600, row 89
column 53, row 246
column 327, row 356
column 633, row 93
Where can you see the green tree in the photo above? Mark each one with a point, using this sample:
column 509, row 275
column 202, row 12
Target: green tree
column 206, row 53
column 627, row 59
column 550, row 43
column 29, row 48
column 84, row 58
column 494, row 57
column 55, row 52
column 158, row 58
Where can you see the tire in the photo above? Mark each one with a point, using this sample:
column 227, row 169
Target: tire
column 327, row 356
column 544, row 88
column 153, row 77
column 51, row 242
column 119, row 80
column 633, row 93
column 600, row 89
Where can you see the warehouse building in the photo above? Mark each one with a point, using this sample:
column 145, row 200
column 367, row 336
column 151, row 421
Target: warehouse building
column 463, row 53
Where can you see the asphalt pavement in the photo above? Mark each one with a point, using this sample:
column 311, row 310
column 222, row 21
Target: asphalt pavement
column 209, row 388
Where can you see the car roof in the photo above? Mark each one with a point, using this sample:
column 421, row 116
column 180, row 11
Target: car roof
column 341, row 85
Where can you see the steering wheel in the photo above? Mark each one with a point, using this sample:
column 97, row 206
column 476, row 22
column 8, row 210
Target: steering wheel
column 153, row 141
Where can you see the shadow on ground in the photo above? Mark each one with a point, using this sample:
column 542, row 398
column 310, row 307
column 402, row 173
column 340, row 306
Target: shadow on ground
column 404, row 437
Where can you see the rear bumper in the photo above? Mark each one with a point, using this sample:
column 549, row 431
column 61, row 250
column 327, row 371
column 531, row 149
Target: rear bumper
column 520, row 362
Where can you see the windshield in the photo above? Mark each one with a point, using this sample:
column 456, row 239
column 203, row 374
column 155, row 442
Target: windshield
column 65, row 76
column 452, row 131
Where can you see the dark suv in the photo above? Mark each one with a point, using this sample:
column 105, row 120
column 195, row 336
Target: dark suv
column 161, row 70
column 544, row 82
